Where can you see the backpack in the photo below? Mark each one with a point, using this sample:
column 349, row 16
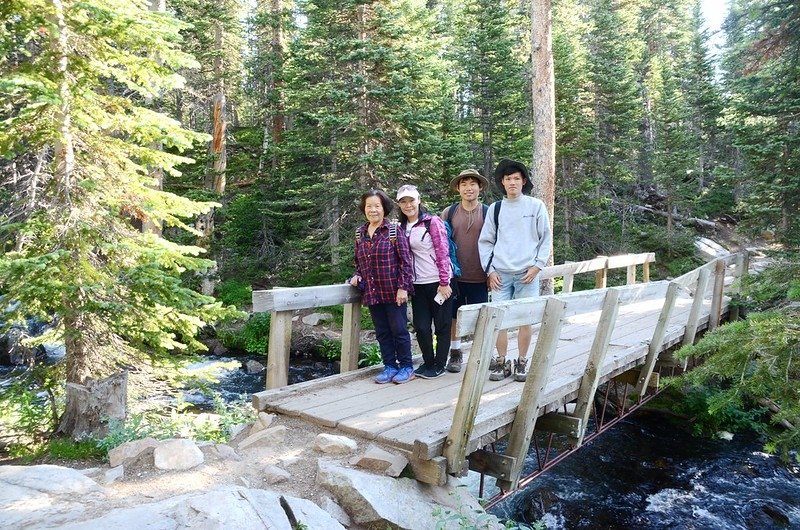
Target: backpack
column 392, row 233
column 448, row 224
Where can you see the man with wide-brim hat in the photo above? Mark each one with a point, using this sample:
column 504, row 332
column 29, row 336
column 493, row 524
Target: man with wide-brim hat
column 514, row 247
column 470, row 173
column 466, row 220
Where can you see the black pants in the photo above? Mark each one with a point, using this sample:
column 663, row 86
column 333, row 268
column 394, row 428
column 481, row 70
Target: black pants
column 427, row 311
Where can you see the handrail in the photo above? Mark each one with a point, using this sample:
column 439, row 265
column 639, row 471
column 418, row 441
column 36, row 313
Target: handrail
column 281, row 302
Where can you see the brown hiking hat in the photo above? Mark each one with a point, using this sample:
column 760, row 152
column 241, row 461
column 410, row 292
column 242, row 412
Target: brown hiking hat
column 469, row 173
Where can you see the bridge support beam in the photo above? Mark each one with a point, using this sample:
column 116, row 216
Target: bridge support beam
column 538, row 375
column 657, row 342
column 469, row 397
column 591, row 376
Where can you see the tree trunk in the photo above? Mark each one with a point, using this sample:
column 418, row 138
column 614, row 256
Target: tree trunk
column 544, row 121
column 89, row 407
column 274, row 122
column 149, row 225
column 218, row 120
column 364, row 174
column 64, row 151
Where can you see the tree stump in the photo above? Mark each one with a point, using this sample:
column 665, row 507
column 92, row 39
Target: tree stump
column 89, row 407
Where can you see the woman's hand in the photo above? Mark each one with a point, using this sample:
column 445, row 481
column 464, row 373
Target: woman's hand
column 445, row 291
column 355, row 280
column 402, row 296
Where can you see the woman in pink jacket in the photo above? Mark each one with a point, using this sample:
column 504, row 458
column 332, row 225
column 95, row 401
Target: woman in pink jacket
column 432, row 298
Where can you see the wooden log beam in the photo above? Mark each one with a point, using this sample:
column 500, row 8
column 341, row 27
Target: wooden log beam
column 280, row 339
column 597, row 353
column 351, row 337
column 559, row 423
column 528, row 409
column 493, row 464
column 469, row 396
column 657, row 341
column 433, row 471
column 716, row 297
column 292, row 298
column 697, row 306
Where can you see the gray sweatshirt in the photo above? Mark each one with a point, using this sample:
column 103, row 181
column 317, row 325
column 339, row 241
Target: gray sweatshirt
column 524, row 238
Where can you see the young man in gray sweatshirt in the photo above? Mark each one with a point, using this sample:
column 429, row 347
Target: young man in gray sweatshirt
column 513, row 251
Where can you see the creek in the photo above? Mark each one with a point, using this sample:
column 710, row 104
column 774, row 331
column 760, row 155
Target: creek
column 650, row 472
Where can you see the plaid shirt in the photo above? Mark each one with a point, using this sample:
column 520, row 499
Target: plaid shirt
column 384, row 265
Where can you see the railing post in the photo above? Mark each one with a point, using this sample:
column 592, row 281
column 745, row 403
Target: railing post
column 645, row 272
column 351, row 337
column 601, row 276
column 742, row 265
column 591, row 376
column 469, row 397
column 528, row 408
column 658, row 339
column 716, row 297
column 631, row 277
column 280, row 339
column 697, row 305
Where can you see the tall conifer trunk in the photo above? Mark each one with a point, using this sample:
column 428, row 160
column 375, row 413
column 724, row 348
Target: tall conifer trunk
column 544, row 121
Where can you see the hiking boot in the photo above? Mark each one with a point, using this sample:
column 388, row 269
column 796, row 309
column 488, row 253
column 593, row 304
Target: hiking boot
column 520, row 370
column 454, row 364
column 404, row 375
column 501, row 370
column 386, row 376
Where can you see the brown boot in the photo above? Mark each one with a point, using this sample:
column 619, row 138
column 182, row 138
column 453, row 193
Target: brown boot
column 454, row 364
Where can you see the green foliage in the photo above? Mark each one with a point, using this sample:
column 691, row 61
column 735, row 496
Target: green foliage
column 338, row 315
column 750, row 363
column 330, row 349
column 468, row 518
column 252, row 336
column 235, row 292
column 369, row 355
column 68, row 449
column 26, row 418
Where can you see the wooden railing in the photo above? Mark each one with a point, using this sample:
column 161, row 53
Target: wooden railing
column 484, row 321
column 282, row 302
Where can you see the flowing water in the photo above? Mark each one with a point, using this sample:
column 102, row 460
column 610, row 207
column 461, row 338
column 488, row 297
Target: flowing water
column 650, row 472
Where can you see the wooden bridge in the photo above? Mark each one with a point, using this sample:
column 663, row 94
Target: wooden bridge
column 619, row 335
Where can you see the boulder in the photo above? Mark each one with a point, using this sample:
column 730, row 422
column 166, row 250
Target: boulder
column 314, row 319
column 335, row 511
column 274, row 474
column 380, row 502
column 253, row 367
column 381, row 461
column 179, row 454
column 123, row 454
column 268, row 437
column 263, row 421
column 334, row 444
column 112, row 474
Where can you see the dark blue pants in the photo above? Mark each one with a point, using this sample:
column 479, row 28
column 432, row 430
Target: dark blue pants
column 391, row 330
column 470, row 293
column 425, row 311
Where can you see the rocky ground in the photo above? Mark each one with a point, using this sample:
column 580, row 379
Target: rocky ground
column 278, row 473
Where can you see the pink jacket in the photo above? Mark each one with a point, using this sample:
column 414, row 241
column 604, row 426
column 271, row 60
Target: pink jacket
column 430, row 250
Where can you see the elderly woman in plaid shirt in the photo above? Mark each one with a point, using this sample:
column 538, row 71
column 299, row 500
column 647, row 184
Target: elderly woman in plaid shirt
column 383, row 273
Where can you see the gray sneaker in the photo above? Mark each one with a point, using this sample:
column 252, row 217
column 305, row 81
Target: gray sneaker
column 454, row 364
column 501, row 370
column 520, row 370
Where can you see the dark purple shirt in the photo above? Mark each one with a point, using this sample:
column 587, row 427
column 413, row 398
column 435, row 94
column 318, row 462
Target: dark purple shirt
column 383, row 264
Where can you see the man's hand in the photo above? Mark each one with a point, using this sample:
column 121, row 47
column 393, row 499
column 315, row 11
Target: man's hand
column 531, row 274
column 493, row 281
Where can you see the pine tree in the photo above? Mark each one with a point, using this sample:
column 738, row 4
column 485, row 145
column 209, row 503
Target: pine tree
column 75, row 77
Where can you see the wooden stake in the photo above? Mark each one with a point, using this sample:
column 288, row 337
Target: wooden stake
column 697, row 306
column 658, row 338
column 528, row 408
column 716, row 297
column 597, row 354
column 280, row 339
column 469, row 397
column 351, row 333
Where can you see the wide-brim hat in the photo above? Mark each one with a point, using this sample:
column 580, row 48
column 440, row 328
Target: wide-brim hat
column 469, row 173
column 502, row 169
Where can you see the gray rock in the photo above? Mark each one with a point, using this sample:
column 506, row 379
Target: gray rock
column 336, row 511
column 177, row 454
column 314, row 319
column 254, row 367
column 263, row 421
column 221, row 508
column 115, row 473
column 45, row 495
column 334, row 444
column 709, row 249
column 226, row 452
column 268, row 437
column 129, row 450
column 274, row 474
column 377, row 501
column 380, row 461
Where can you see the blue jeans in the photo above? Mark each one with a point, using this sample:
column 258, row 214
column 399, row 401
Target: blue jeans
column 511, row 288
column 391, row 331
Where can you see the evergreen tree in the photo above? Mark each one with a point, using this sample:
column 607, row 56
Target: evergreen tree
column 75, row 77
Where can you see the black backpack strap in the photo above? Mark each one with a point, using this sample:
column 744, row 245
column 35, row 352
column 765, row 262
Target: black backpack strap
column 486, row 209
column 497, row 205
column 451, row 211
